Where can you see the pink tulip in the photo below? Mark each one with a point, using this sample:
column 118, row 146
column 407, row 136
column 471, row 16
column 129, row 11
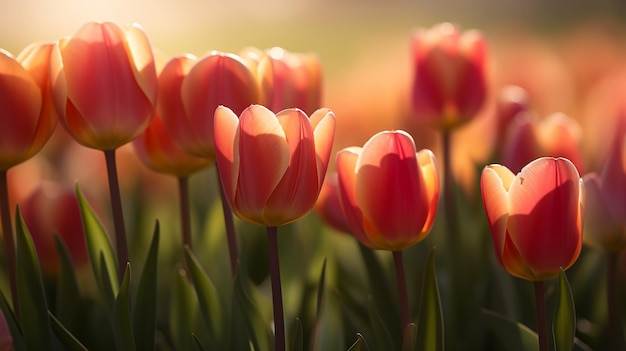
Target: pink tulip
column 389, row 192
column 272, row 166
column 104, row 84
column 535, row 216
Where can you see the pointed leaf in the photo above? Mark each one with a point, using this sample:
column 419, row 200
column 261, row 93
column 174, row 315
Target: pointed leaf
column 298, row 342
column 564, row 327
column 67, row 339
column 320, row 289
column 14, row 328
column 67, row 290
column 207, row 295
column 98, row 244
column 382, row 336
column 196, row 343
column 33, row 308
column 513, row 336
column 122, row 307
column 430, row 323
column 144, row 321
column 409, row 338
column 358, row 343
column 183, row 312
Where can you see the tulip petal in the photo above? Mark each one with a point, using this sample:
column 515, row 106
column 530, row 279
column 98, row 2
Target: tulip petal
column 430, row 174
column 602, row 230
column 389, row 189
column 297, row 191
column 140, row 52
column 264, row 156
column 544, row 217
column 227, row 158
column 346, row 177
column 494, row 183
column 323, row 123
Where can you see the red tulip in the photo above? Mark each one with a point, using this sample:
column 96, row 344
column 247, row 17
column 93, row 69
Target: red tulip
column 328, row 205
column 535, row 216
column 272, row 166
column 389, row 192
column 190, row 90
column 605, row 215
column 449, row 85
column 104, row 84
column 297, row 80
column 26, row 112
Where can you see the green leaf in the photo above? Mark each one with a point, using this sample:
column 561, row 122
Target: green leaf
column 67, row 290
column 320, row 289
column 360, row 341
column 183, row 312
column 430, row 323
column 408, row 344
column 513, row 336
column 208, row 297
column 144, row 321
column 67, row 339
column 196, row 343
column 564, row 327
column 298, row 337
column 122, row 308
column 98, row 246
column 33, row 308
column 14, row 328
column 382, row 337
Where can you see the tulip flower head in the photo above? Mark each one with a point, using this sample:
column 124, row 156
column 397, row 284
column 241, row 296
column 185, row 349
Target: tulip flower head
column 272, row 166
column 535, row 216
column 389, row 192
column 104, row 84
column 605, row 216
column 26, row 112
column 449, row 85
column 328, row 205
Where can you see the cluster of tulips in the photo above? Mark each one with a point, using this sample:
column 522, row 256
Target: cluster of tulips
column 256, row 118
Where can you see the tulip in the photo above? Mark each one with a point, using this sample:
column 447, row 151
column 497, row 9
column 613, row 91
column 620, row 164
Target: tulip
column 536, row 222
column 104, row 84
column 389, row 193
column 449, row 84
column 328, row 206
column 271, row 167
column 297, row 80
column 528, row 138
column 28, row 119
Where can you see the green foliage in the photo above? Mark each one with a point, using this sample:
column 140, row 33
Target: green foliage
column 430, row 324
column 513, row 336
column 564, row 327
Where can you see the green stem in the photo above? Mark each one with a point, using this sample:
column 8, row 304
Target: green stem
column 9, row 241
column 185, row 215
column 542, row 320
column 118, row 214
column 277, row 294
column 615, row 335
column 402, row 290
column 230, row 228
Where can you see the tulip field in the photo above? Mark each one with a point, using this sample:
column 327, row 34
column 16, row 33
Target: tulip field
column 449, row 186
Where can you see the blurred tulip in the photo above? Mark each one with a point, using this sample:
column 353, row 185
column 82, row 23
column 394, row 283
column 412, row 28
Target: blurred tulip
column 6, row 340
column 104, row 84
column 449, row 84
column 26, row 112
column 528, row 138
column 52, row 210
column 297, row 80
column 328, row 205
column 389, row 192
column 605, row 212
column 511, row 101
column 272, row 166
column 191, row 89
column 535, row 216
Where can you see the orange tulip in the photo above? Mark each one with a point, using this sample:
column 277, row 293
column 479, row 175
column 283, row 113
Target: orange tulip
column 297, row 80
column 328, row 205
column 605, row 216
column 104, row 84
column 191, row 89
column 389, row 192
column 535, row 216
column 449, row 84
column 528, row 138
column 272, row 166
column 26, row 112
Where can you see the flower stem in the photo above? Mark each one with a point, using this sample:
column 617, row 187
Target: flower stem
column 230, row 228
column 615, row 335
column 402, row 290
column 9, row 242
column 118, row 214
column 277, row 294
column 185, row 216
column 542, row 321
